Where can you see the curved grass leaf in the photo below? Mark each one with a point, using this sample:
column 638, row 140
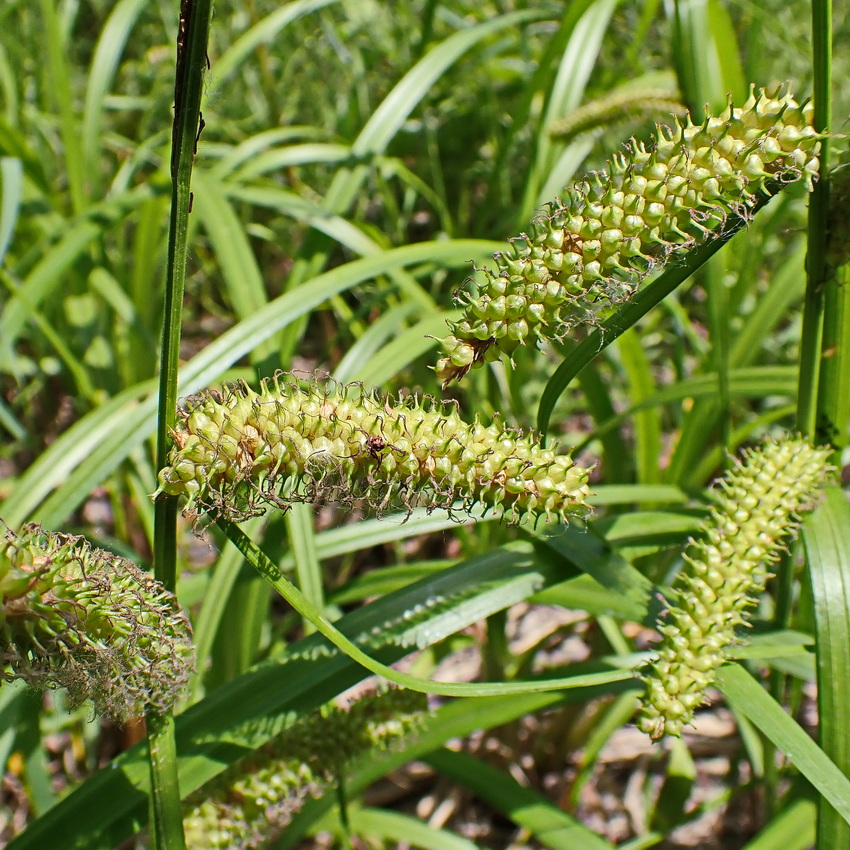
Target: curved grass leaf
column 555, row 164
column 388, row 325
column 11, row 186
column 107, row 54
column 297, row 600
column 263, row 32
column 395, row 829
column 407, row 347
column 792, row 829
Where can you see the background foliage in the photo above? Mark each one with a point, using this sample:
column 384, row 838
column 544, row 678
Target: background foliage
column 355, row 157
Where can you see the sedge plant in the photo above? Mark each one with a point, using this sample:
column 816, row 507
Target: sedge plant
column 425, row 460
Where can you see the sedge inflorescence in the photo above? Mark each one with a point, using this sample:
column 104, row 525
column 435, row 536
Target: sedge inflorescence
column 758, row 507
column 593, row 248
column 81, row 618
column 251, row 802
column 238, row 451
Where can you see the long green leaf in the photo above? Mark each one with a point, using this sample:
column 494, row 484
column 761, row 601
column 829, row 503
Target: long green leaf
column 748, row 697
column 554, row 166
column 110, row 45
column 792, row 829
column 826, row 535
column 297, row 600
column 11, row 186
column 126, row 428
column 397, row 828
column 264, row 32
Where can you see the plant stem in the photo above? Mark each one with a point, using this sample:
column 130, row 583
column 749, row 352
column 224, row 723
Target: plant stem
column 271, row 572
column 824, row 392
column 165, row 813
column 816, row 266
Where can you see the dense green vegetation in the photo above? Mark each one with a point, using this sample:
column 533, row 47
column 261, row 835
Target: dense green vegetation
column 356, row 160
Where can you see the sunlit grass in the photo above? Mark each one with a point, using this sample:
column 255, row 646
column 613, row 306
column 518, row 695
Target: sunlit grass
column 355, row 157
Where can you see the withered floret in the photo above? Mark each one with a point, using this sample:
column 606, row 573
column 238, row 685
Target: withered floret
column 84, row 619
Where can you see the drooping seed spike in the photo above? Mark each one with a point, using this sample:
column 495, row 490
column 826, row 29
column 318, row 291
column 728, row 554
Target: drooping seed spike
column 758, row 504
column 692, row 180
column 250, row 804
column 84, row 619
column 306, row 442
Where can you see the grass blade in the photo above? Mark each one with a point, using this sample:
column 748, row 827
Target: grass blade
column 264, row 32
column 828, row 559
column 107, row 54
column 12, row 182
column 66, row 473
column 748, row 697
column 395, row 829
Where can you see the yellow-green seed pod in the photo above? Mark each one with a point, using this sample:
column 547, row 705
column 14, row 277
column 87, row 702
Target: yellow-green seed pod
column 77, row 617
column 758, row 505
column 295, row 443
column 593, row 248
column 250, row 803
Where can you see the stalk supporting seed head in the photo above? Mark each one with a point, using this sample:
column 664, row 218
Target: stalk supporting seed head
column 239, row 450
column 725, row 572
column 593, row 248
column 84, row 619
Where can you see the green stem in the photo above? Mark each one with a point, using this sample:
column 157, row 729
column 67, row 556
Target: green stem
column 817, row 271
column 342, row 803
column 270, row 571
column 824, row 393
column 834, row 386
column 165, row 812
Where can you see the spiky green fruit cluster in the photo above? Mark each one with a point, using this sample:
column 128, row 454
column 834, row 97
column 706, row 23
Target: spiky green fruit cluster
column 593, row 248
column 758, row 506
column 238, row 451
column 80, row 618
column 254, row 799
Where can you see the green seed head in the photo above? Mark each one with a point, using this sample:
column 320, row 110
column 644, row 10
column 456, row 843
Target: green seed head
column 239, row 451
column 617, row 106
column 593, row 248
column 725, row 571
column 84, row 619
column 251, row 802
